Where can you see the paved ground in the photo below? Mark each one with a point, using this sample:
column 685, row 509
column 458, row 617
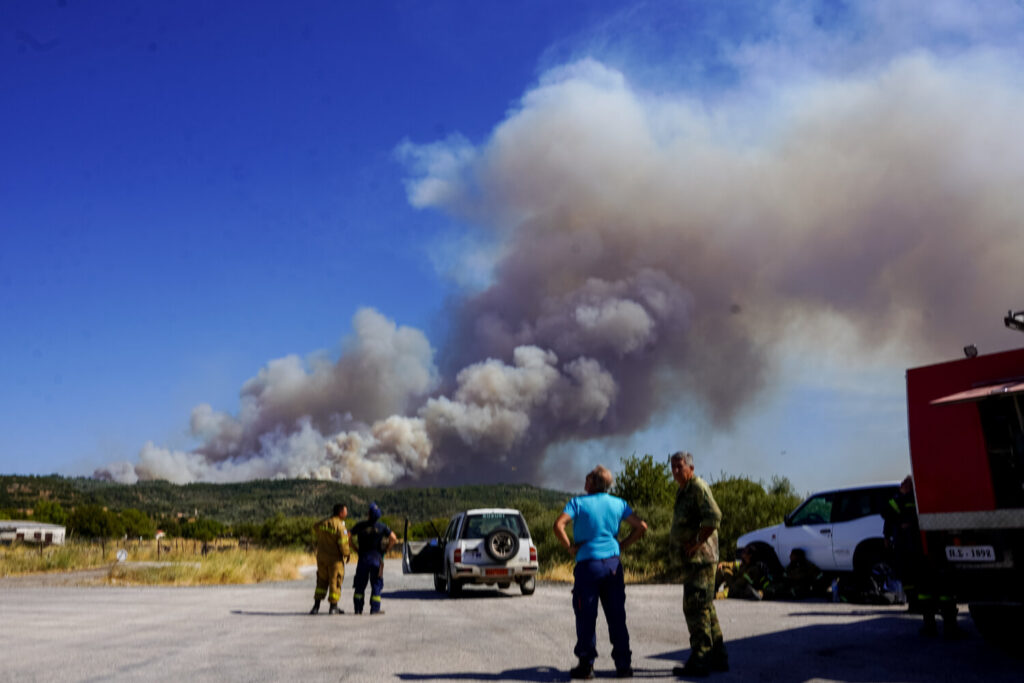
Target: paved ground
column 262, row 633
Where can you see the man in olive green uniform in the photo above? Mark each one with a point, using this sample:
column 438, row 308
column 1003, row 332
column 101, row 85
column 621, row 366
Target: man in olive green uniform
column 332, row 554
column 693, row 547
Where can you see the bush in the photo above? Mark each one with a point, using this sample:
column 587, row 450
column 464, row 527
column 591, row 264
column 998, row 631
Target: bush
column 422, row 531
column 280, row 531
column 94, row 521
column 204, row 529
column 137, row 524
column 644, row 482
column 49, row 511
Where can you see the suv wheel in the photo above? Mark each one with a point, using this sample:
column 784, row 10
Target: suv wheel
column 501, row 545
column 528, row 585
column 453, row 587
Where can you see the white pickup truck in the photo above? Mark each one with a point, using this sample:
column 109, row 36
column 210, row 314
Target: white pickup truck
column 839, row 530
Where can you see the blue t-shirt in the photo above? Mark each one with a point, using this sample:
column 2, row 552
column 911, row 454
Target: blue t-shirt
column 595, row 524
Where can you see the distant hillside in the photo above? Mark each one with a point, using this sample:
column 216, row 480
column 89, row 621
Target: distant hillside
column 255, row 501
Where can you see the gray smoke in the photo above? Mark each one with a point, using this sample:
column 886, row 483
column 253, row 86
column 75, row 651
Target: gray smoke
column 654, row 249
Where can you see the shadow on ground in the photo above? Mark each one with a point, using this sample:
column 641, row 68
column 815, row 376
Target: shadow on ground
column 467, row 594
column 885, row 648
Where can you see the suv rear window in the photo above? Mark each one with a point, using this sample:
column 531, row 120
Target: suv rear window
column 478, row 526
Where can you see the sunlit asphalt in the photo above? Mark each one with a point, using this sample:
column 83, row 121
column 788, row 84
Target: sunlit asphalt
column 263, row 633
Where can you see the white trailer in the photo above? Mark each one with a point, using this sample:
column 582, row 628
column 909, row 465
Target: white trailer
column 30, row 532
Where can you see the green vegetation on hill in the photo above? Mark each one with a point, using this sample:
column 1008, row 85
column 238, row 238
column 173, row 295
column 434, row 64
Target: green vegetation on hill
column 280, row 513
column 257, row 501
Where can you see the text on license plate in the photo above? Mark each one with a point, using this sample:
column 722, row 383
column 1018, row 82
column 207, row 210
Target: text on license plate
column 970, row 553
column 496, row 572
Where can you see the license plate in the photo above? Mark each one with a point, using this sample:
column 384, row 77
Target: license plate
column 496, row 572
column 970, row 553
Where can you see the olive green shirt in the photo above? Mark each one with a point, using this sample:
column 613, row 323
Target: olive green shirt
column 695, row 507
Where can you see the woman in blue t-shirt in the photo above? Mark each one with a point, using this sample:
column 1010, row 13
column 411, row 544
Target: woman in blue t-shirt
column 598, row 574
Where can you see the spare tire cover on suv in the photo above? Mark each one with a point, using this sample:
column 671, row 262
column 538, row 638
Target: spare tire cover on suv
column 501, row 545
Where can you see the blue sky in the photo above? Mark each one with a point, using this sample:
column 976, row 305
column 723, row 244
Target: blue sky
column 237, row 237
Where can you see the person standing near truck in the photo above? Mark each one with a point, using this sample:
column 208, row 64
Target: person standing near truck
column 925, row 593
column 693, row 545
column 332, row 553
column 598, row 574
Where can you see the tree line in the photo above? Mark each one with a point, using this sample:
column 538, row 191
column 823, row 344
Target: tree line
column 643, row 481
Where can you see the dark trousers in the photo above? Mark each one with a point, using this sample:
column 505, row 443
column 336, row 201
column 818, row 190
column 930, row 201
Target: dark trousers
column 600, row 580
column 374, row 574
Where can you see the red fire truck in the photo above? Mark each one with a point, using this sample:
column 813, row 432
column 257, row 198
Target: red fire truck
column 966, row 427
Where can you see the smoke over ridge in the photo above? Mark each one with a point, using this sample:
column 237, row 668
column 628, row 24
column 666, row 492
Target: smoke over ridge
column 653, row 248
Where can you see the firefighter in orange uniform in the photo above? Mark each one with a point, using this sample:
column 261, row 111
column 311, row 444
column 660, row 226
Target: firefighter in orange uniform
column 332, row 554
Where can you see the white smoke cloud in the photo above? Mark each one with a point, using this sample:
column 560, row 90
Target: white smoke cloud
column 318, row 420
column 654, row 245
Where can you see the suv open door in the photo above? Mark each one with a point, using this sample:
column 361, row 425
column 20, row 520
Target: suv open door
column 421, row 557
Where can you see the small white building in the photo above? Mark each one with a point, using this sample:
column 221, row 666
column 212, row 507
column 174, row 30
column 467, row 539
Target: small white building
column 30, row 532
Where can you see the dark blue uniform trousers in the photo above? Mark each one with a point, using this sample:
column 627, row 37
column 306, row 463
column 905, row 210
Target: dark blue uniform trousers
column 367, row 571
column 600, row 580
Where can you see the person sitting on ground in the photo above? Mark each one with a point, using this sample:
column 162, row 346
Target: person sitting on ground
column 803, row 578
column 748, row 578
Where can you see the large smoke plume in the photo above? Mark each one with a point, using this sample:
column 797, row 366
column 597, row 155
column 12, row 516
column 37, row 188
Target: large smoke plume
column 652, row 249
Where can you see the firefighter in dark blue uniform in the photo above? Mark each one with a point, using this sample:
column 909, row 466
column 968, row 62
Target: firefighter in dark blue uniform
column 372, row 539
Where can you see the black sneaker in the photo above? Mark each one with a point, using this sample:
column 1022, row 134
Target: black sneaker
column 582, row 671
column 692, row 670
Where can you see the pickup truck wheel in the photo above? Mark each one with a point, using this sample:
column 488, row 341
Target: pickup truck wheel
column 765, row 553
column 453, row 587
column 501, row 545
column 869, row 557
column 528, row 585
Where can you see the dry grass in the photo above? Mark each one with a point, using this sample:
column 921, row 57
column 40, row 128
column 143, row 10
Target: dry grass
column 233, row 566
column 22, row 558
column 175, row 563
column 562, row 573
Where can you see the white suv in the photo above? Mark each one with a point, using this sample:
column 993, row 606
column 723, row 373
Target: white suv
column 488, row 545
column 840, row 530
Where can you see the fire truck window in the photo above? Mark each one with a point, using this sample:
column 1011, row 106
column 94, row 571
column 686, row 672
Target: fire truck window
column 1002, row 421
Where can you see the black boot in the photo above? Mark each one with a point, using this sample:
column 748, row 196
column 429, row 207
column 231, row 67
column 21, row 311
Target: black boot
column 692, row 669
column 334, row 609
column 316, row 607
column 582, row 671
column 719, row 659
